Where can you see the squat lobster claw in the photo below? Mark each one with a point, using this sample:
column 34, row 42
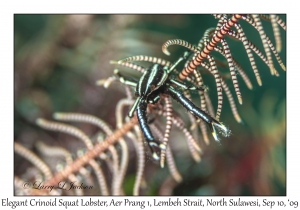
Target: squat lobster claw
column 155, row 81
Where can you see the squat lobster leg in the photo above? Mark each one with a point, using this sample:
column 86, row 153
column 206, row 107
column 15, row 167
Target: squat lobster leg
column 182, row 85
column 153, row 144
column 141, row 106
column 197, row 112
column 130, row 82
column 124, row 80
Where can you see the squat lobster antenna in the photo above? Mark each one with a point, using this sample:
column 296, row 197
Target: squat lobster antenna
column 183, row 57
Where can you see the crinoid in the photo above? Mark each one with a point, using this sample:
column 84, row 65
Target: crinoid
column 146, row 117
column 209, row 42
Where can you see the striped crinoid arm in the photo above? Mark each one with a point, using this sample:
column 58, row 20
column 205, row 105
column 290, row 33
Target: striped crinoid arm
column 193, row 146
column 252, row 46
column 214, row 71
column 276, row 32
column 256, row 22
column 242, row 37
column 199, row 82
column 231, row 102
column 125, row 153
column 169, row 113
column 280, row 22
column 243, row 74
column 265, row 40
column 34, row 159
column 71, row 130
column 237, row 67
column 129, row 65
column 100, row 176
column 267, row 43
column 64, row 128
column 91, row 154
column 210, row 107
column 85, row 118
column 172, row 166
column 51, row 151
column 196, row 61
column 169, row 156
column 229, row 59
column 151, row 59
column 270, row 44
column 54, row 151
column 226, row 53
column 245, row 42
column 276, row 18
column 137, row 140
column 139, row 144
column 177, row 42
column 275, row 54
column 198, row 76
column 205, row 101
column 223, row 18
column 259, row 54
column 228, row 95
column 185, row 44
column 192, row 118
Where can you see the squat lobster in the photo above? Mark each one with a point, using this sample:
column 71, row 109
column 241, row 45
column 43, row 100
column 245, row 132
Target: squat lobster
column 155, row 81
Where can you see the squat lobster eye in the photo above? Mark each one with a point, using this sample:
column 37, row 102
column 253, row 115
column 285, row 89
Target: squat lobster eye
column 156, row 81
